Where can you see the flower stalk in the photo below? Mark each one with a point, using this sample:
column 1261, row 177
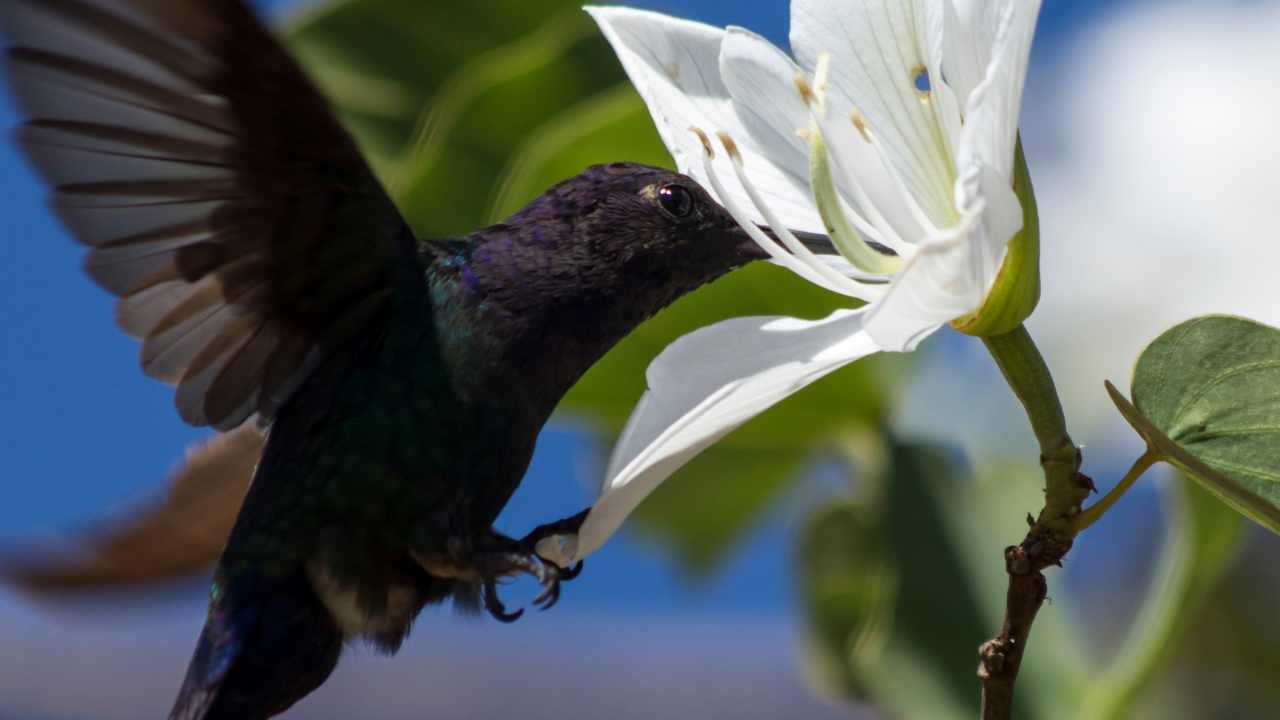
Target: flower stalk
column 1028, row 375
column 1025, row 370
column 1051, row 534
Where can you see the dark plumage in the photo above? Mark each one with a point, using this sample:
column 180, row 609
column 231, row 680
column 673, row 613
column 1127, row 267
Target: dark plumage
column 403, row 381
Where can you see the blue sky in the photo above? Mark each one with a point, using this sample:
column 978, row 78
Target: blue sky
column 82, row 432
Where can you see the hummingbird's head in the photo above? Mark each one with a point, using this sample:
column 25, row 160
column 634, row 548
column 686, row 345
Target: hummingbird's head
column 594, row 256
column 632, row 225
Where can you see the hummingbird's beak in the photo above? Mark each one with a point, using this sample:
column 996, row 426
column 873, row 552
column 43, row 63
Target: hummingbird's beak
column 817, row 243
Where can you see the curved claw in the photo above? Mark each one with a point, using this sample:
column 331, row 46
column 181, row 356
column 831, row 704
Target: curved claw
column 551, row 586
column 550, row 595
column 522, row 557
column 494, row 605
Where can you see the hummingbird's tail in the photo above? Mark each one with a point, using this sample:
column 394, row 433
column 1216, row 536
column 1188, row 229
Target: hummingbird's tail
column 269, row 641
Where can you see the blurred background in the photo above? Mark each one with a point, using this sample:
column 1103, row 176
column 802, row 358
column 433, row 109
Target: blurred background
column 838, row 557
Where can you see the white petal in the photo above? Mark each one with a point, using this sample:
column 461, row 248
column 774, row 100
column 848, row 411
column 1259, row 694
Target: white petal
column 704, row 386
column 939, row 283
column 875, row 55
column 761, row 79
column 992, row 109
column 953, row 72
column 948, row 278
column 965, row 51
column 675, row 66
column 1000, row 220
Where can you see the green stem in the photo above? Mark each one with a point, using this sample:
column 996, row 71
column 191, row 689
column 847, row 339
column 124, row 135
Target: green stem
column 1090, row 515
column 1025, row 370
column 1050, row 536
column 1019, row 359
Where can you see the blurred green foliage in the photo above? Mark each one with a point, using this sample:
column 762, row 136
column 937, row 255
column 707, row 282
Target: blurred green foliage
column 1226, row 663
column 1201, row 544
column 902, row 586
column 454, row 102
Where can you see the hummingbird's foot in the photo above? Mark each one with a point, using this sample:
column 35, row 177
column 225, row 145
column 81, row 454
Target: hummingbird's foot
column 494, row 567
column 557, row 574
column 513, row 558
column 567, row 526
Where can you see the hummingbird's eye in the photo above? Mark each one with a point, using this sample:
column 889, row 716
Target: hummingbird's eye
column 675, row 200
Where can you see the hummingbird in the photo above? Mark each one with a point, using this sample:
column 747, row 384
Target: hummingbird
column 395, row 386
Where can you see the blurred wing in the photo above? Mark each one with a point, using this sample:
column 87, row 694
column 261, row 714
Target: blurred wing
column 181, row 535
column 220, row 199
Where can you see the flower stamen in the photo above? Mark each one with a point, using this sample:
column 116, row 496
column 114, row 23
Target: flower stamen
column 851, row 287
column 860, row 124
column 706, row 142
column 766, row 243
column 805, row 89
column 837, row 222
column 875, row 226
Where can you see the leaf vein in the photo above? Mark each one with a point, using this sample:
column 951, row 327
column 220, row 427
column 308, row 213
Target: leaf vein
column 1202, row 390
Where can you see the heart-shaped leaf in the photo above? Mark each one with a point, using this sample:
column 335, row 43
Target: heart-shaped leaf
column 1206, row 397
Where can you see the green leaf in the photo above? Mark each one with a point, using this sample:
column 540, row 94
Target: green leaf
column 442, row 98
column 1206, row 397
column 701, row 515
column 1202, row 541
column 850, row 585
column 579, row 136
column 895, row 615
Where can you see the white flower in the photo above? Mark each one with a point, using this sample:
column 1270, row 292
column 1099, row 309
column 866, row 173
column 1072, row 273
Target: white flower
column 895, row 124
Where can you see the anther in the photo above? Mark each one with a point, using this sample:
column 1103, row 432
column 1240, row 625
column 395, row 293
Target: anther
column 805, row 89
column 860, row 123
column 730, row 146
column 706, row 142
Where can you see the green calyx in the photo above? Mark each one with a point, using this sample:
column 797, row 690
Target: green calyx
column 1016, row 290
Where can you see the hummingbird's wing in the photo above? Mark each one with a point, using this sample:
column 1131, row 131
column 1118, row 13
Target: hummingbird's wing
column 220, row 199
column 181, row 534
